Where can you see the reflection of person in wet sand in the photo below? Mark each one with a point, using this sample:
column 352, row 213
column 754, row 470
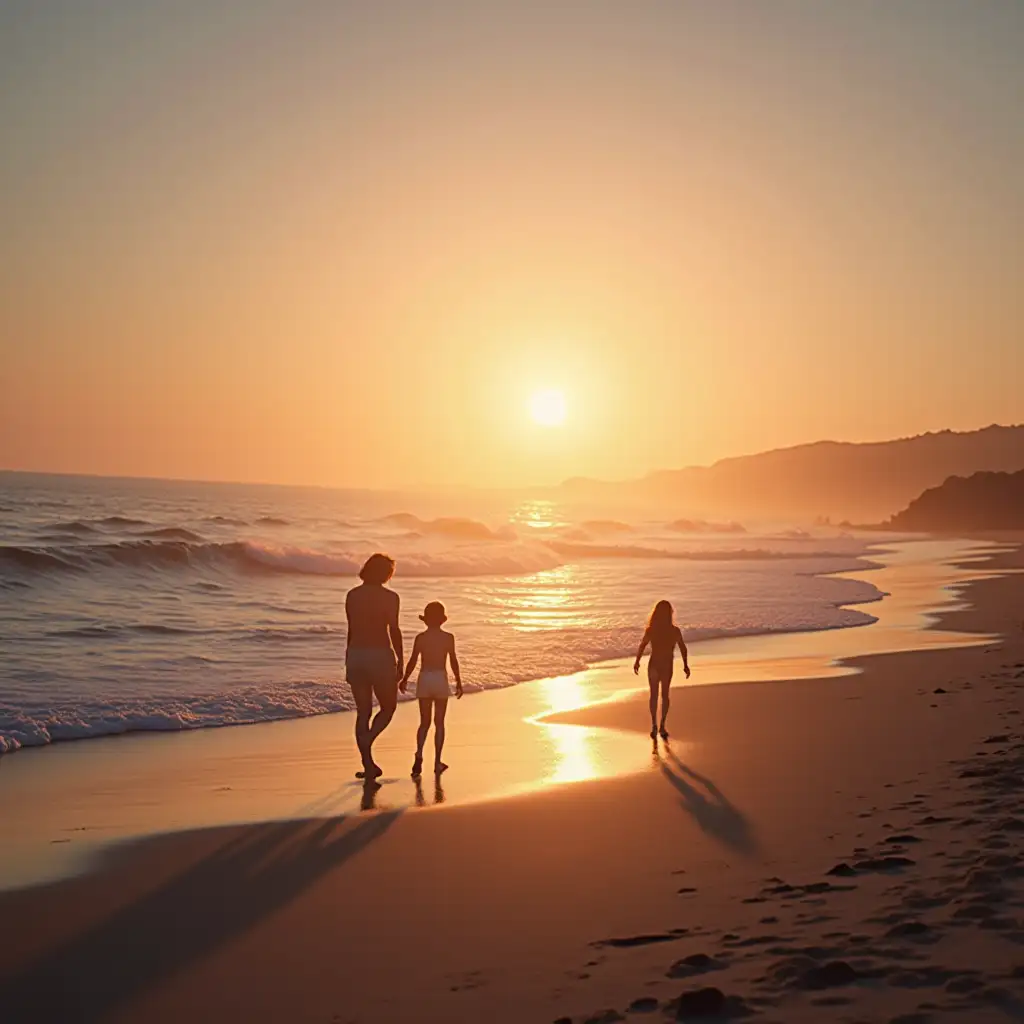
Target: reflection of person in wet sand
column 421, row 799
column 664, row 636
column 373, row 655
column 436, row 647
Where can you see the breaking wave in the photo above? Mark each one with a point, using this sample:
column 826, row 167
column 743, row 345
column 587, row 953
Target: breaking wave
column 173, row 548
column 577, row 550
column 490, row 560
column 448, row 526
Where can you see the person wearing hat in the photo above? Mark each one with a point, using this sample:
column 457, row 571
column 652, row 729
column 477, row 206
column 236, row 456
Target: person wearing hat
column 436, row 647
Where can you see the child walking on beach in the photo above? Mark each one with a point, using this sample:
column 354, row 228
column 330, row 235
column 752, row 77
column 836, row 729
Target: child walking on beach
column 436, row 647
column 663, row 635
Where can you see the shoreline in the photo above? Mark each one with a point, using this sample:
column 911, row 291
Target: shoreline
column 588, row 900
column 73, row 800
column 867, row 567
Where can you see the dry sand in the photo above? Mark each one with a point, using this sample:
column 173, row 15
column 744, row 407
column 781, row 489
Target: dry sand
column 712, row 868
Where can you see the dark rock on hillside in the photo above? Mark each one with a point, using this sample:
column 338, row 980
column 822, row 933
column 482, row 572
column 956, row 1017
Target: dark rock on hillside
column 984, row 501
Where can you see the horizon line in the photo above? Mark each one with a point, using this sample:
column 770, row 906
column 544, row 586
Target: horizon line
column 421, row 488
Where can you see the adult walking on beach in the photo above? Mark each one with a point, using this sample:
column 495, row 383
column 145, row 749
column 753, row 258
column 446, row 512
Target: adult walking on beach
column 664, row 636
column 373, row 655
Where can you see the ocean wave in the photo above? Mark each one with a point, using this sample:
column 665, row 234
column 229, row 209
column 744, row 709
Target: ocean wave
column 88, row 527
column 76, row 527
column 35, row 559
column 448, row 526
column 34, row 727
column 505, row 560
column 171, row 533
column 272, row 521
column 488, row 560
column 703, row 526
column 278, row 634
column 580, row 551
column 117, row 631
column 606, row 526
column 493, row 557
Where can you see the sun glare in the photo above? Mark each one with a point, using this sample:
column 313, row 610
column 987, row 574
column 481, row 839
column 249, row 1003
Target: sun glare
column 547, row 407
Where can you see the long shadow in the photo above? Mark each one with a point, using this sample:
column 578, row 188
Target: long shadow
column 246, row 879
column 708, row 805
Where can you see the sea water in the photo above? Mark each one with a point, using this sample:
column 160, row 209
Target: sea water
column 132, row 605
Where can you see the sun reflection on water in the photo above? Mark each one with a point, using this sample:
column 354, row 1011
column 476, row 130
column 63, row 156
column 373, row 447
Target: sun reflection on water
column 538, row 514
column 549, row 600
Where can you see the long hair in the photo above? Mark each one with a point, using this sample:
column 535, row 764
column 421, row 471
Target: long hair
column 379, row 568
column 662, row 620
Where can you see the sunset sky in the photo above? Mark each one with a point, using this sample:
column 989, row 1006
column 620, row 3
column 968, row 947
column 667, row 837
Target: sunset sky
column 347, row 243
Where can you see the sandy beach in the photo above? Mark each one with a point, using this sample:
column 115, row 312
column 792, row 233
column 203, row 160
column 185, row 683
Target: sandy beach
column 841, row 848
column 461, row 349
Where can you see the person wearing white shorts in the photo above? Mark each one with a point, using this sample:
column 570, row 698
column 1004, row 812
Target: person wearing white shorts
column 436, row 648
column 433, row 684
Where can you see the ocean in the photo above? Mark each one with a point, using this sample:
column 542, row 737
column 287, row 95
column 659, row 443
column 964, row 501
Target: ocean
column 135, row 605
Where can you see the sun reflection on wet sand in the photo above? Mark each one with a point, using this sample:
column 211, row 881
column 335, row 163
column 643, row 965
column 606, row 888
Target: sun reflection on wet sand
column 572, row 748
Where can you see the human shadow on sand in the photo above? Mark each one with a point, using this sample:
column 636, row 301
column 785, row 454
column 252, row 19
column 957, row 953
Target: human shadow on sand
column 707, row 804
column 251, row 875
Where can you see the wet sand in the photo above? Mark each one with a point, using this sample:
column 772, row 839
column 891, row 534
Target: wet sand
column 573, row 900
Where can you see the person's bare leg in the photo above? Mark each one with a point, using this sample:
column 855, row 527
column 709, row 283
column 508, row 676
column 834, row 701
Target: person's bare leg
column 381, row 720
column 363, row 695
column 665, row 684
column 440, row 708
column 426, row 706
column 387, row 700
column 652, row 681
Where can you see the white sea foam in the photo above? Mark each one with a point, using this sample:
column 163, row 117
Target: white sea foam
column 492, row 559
column 33, row 727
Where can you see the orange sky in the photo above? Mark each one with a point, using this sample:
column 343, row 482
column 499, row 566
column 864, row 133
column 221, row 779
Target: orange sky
column 341, row 243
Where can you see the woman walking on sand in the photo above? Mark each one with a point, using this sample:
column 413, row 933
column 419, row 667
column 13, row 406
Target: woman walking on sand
column 373, row 655
column 664, row 636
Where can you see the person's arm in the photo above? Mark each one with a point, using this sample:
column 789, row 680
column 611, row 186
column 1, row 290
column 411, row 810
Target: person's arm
column 412, row 664
column 640, row 651
column 395, row 632
column 348, row 619
column 453, row 657
column 682, row 651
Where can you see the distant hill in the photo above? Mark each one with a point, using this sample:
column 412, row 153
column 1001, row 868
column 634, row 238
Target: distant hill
column 982, row 501
column 835, row 479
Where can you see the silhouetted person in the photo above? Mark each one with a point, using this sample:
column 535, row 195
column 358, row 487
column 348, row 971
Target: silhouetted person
column 373, row 654
column 436, row 647
column 663, row 635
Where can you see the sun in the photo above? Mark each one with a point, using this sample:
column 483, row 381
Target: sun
column 547, row 407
